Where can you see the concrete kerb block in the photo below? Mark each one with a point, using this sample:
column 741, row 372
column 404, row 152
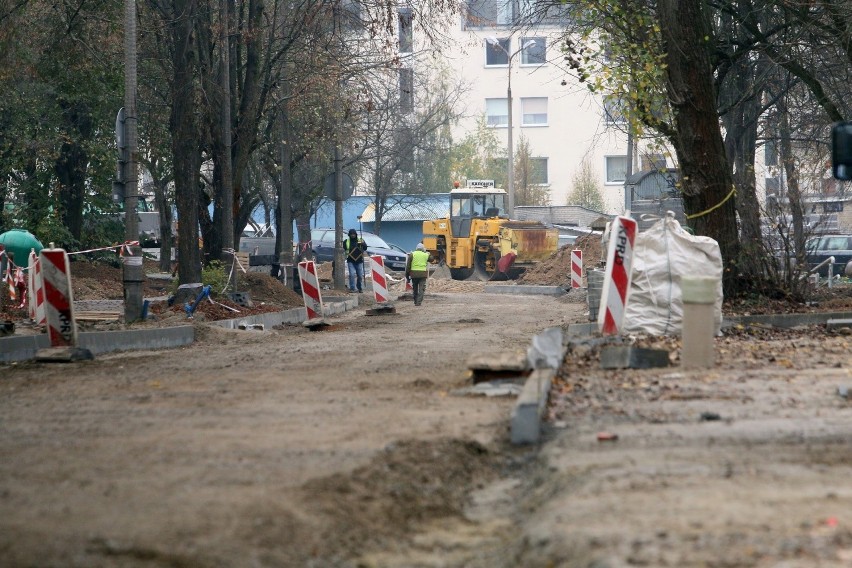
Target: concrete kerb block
column 530, row 407
column 296, row 315
column 630, row 357
column 26, row 347
column 839, row 323
column 545, row 354
column 547, row 349
column 524, row 289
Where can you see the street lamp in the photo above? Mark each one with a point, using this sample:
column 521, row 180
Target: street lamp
column 510, row 166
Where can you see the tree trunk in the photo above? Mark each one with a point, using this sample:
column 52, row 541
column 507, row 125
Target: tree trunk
column 705, row 175
column 283, row 210
column 741, row 122
column 186, row 145
column 794, row 194
column 164, row 210
column 71, row 167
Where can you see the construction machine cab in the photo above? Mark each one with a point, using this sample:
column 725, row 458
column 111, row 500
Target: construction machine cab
column 468, row 203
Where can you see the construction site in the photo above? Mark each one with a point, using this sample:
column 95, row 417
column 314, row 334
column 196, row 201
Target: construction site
column 485, row 428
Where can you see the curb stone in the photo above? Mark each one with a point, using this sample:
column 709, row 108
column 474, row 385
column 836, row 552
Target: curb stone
column 25, row 347
column 546, row 353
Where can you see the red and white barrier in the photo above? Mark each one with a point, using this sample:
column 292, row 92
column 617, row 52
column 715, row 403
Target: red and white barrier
column 10, row 282
column 35, row 289
column 616, row 285
column 380, row 281
column 310, row 289
column 59, row 301
column 576, row 268
column 31, row 289
column 408, row 286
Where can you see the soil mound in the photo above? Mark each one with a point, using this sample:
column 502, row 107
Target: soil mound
column 556, row 270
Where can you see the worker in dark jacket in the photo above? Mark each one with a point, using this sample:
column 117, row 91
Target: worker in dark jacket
column 356, row 250
column 417, row 269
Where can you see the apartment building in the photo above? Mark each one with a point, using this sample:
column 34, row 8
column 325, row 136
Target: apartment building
column 506, row 48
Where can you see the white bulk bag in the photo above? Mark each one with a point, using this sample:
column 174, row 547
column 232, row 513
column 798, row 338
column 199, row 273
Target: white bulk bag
column 661, row 256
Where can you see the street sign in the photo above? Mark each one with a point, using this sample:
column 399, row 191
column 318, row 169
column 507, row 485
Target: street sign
column 348, row 186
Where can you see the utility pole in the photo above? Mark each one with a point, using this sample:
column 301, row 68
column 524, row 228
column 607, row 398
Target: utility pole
column 338, row 262
column 133, row 273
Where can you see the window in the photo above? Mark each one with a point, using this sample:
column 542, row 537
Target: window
column 488, row 13
column 773, row 185
column 493, row 13
column 770, row 153
column 538, row 171
column 496, row 112
column 534, row 51
column 497, row 54
column 616, row 169
column 614, row 110
column 534, row 111
column 406, row 90
column 653, row 162
column 406, row 33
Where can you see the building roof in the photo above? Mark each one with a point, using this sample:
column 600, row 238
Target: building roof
column 557, row 214
column 411, row 208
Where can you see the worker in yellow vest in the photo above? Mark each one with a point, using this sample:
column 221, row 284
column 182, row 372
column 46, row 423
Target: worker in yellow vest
column 416, row 268
column 356, row 250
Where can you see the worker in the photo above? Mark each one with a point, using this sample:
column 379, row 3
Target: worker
column 417, row 270
column 356, row 250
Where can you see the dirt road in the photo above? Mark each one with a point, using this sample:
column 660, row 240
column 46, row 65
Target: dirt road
column 349, row 448
column 275, row 448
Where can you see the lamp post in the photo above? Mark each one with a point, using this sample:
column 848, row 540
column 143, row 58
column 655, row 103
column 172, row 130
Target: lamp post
column 510, row 166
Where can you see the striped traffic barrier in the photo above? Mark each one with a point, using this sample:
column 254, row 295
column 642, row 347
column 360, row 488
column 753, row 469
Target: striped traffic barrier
column 576, row 268
column 31, row 288
column 10, row 283
column 380, row 282
column 38, row 292
column 58, row 298
column 616, row 285
column 310, row 289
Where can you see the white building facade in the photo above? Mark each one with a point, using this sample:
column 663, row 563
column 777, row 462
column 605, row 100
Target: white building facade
column 493, row 46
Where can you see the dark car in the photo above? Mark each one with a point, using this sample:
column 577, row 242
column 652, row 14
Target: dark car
column 322, row 241
column 821, row 248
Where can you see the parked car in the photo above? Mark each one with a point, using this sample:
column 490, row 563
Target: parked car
column 322, row 241
column 398, row 248
column 820, row 248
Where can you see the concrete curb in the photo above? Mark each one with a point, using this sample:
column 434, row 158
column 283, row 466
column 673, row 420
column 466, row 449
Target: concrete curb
column 524, row 289
column 25, row 347
column 528, row 410
column 785, row 320
column 546, row 353
column 775, row 320
column 296, row 315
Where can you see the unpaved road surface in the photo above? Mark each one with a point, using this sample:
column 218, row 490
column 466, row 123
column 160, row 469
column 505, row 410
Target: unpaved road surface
column 276, row 448
column 349, row 447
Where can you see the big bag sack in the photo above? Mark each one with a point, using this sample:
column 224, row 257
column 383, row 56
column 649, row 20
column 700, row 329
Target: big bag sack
column 662, row 255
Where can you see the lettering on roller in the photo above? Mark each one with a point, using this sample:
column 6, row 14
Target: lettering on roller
column 616, row 286
column 380, row 283
column 576, row 268
column 310, row 289
column 58, row 298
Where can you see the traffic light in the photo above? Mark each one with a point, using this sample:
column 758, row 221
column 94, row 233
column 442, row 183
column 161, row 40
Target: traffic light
column 841, row 150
